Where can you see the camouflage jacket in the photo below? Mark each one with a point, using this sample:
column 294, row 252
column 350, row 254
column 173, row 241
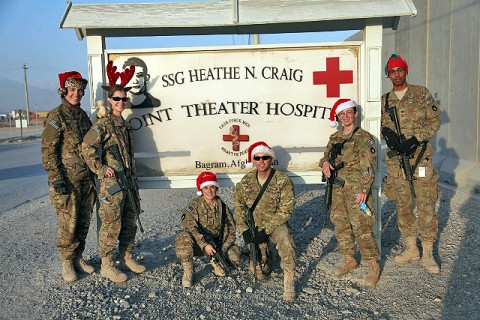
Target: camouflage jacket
column 418, row 115
column 274, row 208
column 106, row 132
column 359, row 156
column 63, row 132
column 210, row 219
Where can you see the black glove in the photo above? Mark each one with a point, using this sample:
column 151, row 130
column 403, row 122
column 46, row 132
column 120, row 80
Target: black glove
column 409, row 146
column 391, row 138
column 61, row 187
column 261, row 237
column 247, row 237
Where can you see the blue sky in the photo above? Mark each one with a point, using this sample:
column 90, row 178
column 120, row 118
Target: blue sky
column 30, row 34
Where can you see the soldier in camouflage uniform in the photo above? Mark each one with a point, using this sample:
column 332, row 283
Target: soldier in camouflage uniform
column 359, row 156
column 211, row 213
column 116, row 212
column 419, row 118
column 72, row 188
column 271, row 214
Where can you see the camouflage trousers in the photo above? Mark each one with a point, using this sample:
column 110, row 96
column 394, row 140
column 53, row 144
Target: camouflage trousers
column 74, row 212
column 118, row 220
column 397, row 189
column 351, row 224
column 282, row 237
column 186, row 247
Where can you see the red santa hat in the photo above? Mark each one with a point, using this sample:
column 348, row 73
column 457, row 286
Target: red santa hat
column 395, row 61
column 204, row 179
column 71, row 79
column 338, row 107
column 258, row 147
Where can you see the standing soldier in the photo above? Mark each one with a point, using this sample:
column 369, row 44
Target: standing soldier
column 418, row 118
column 118, row 213
column 72, row 188
column 205, row 217
column 352, row 151
column 270, row 215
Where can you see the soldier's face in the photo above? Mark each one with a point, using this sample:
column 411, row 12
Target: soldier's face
column 264, row 161
column 118, row 101
column 209, row 193
column 347, row 117
column 74, row 95
column 398, row 76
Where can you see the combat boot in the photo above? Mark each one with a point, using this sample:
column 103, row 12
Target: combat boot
column 373, row 273
column 68, row 272
column 217, row 269
column 427, row 259
column 81, row 265
column 187, row 278
column 110, row 272
column 349, row 263
column 411, row 252
column 128, row 262
column 259, row 273
column 289, row 285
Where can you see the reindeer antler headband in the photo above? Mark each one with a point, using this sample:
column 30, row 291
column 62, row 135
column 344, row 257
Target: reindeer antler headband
column 113, row 76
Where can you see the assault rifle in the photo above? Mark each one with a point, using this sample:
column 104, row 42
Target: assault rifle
column 128, row 184
column 250, row 221
column 219, row 255
column 393, row 140
column 333, row 179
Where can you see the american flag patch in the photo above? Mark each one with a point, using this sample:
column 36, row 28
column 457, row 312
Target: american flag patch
column 98, row 129
column 54, row 123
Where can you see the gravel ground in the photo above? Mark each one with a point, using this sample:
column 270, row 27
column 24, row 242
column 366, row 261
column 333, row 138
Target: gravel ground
column 31, row 286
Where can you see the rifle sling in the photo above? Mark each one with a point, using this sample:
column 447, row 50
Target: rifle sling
column 424, row 143
column 264, row 187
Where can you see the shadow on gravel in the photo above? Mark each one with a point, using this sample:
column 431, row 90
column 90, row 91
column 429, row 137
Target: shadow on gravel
column 462, row 300
column 22, row 172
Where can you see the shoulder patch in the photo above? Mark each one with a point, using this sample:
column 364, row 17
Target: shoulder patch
column 54, row 123
column 434, row 108
column 370, row 143
column 183, row 216
column 189, row 208
column 372, row 150
column 98, row 129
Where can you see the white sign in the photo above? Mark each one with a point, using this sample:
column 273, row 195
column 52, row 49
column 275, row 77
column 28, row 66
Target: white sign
column 200, row 110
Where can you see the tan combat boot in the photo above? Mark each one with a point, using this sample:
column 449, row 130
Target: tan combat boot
column 81, row 265
column 349, row 263
column 427, row 259
column 260, row 274
column 411, row 252
column 68, row 272
column 128, row 262
column 110, row 272
column 217, row 269
column 373, row 273
column 289, row 285
column 187, row 278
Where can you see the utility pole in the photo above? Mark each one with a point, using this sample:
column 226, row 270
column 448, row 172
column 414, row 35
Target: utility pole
column 26, row 94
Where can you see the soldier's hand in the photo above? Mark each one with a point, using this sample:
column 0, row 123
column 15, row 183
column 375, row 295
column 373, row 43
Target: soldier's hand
column 326, row 168
column 261, row 237
column 109, row 172
column 247, row 237
column 209, row 250
column 61, row 187
column 409, row 146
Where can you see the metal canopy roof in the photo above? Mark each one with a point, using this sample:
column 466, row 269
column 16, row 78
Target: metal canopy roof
column 232, row 17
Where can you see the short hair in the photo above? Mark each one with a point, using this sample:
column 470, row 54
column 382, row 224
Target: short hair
column 114, row 89
column 134, row 61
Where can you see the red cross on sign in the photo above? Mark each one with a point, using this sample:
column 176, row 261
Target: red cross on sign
column 333, row 77
column 235, row 137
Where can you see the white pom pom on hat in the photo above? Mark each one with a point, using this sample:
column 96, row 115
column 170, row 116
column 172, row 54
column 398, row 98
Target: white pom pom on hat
column 206, row 178
column 258, row 147
column 338, row 107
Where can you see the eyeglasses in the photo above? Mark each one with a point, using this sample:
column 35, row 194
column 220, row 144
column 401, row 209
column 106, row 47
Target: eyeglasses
column 124, row 99
column 399, row 71
column 264, row 158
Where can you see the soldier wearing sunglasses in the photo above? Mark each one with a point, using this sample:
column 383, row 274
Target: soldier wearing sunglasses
column 271, row 214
